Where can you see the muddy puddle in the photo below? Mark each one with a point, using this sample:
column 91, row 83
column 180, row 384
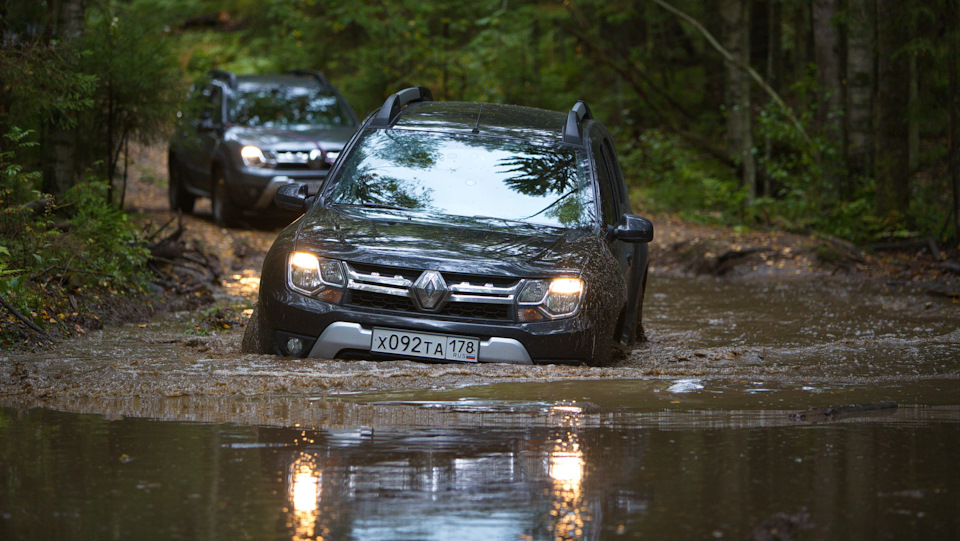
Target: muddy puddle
column 762, row 409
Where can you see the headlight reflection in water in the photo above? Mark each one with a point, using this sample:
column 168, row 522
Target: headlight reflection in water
column 565, row 466
column 304, row 492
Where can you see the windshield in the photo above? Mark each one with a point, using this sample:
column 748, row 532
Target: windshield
column 286, row 106
column 468, row 176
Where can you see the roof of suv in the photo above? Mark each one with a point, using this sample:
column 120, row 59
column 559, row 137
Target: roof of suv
column 414, row 108
column 246, row 83
column 495, row 119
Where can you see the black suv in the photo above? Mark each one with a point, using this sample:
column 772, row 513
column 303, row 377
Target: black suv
column 240, row 137
column 459, row 232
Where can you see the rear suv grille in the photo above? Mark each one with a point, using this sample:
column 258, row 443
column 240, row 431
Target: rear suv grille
column 464, row 296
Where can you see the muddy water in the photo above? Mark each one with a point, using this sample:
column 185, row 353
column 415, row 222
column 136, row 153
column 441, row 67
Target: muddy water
column 806, row 409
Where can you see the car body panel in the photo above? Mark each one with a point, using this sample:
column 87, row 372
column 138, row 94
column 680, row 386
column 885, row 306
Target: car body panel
column 446, row 243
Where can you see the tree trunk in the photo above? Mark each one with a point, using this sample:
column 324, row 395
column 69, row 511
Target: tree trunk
column 826, row 47
column 61, row 171
column 913, row 116
column 952, row 119
column 774, row 74
column 893, row 92
column 712, row 64
column 801, row 49
column 735, row 15
column 861, row 56
column 774, row 56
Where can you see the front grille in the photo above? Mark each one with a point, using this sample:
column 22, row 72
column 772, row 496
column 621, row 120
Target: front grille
column 379, row 301
column 476, row 310
column 298, row 160
column 391, row 289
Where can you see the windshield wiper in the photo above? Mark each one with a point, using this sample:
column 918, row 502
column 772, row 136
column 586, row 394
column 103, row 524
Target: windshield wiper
column 374, row 206
column 506, row 221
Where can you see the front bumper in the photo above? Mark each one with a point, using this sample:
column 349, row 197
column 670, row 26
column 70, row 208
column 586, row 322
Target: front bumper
column 341, row 336
column 334, row 331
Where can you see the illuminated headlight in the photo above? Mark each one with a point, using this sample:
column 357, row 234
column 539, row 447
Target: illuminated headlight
column 254, row 157
column 555, row 298
column 316, row 276
column 332, row 157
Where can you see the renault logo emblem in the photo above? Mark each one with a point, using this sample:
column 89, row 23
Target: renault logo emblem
column 430, row 289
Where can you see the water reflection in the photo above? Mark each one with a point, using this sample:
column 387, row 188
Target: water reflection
column 304, row 481
column 547, row 472
column 566, row 465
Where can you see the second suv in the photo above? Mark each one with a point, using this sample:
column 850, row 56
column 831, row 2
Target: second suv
column 240, row 137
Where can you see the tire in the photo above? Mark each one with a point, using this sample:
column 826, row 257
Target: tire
column 180, row 199
column 630, row 333
column 253, row 340
column 637, row 335
column 225, row 213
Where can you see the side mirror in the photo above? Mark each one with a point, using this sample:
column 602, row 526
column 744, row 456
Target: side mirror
column 634, row 228
column 293, row 196
column 206, row 125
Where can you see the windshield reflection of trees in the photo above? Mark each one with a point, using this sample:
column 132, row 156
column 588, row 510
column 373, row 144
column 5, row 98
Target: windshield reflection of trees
column 549, row 173
column 372, row 182
column 552, row 176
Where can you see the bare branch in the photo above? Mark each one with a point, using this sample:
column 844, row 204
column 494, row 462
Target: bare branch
column 730, row 58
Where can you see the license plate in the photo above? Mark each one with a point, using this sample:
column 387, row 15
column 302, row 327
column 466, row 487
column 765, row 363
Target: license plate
column 431, row 346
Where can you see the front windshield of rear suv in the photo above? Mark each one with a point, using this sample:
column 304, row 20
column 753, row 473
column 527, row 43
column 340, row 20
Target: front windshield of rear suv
column 287, row 106
column 468, row 175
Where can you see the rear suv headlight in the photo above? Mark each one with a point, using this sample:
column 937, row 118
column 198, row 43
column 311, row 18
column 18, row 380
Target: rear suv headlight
column 254, row 157
column 315, row 276
column 555, row 298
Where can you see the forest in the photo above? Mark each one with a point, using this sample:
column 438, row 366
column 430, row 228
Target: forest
column 824, row 117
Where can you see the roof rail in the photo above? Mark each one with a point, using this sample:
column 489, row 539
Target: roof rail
column 575, row 118
column 391, row 107
column 229, row 76
column 310, row 73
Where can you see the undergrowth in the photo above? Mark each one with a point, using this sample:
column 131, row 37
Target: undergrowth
column 57, row 256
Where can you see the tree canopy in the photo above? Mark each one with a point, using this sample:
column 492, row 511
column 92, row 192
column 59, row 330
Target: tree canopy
column 832, row 115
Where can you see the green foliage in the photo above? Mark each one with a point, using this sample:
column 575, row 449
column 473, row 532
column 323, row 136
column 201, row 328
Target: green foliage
column 139, row 84
column 96, row 247
column 40, row 86
column 668, row 176
column 807, row 180
column 102, row 240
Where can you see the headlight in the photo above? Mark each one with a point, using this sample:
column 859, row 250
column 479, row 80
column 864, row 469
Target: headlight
column 254, row 157
column 555, row 298
column 316, row 276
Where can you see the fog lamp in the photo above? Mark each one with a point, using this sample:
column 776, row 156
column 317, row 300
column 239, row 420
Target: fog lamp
column 294, row 346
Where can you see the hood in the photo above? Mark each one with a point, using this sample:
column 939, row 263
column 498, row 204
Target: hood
column 292, row 139
column 445, row 243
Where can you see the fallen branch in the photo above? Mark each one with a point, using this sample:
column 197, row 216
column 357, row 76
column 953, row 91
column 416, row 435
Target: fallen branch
column 26, row 321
